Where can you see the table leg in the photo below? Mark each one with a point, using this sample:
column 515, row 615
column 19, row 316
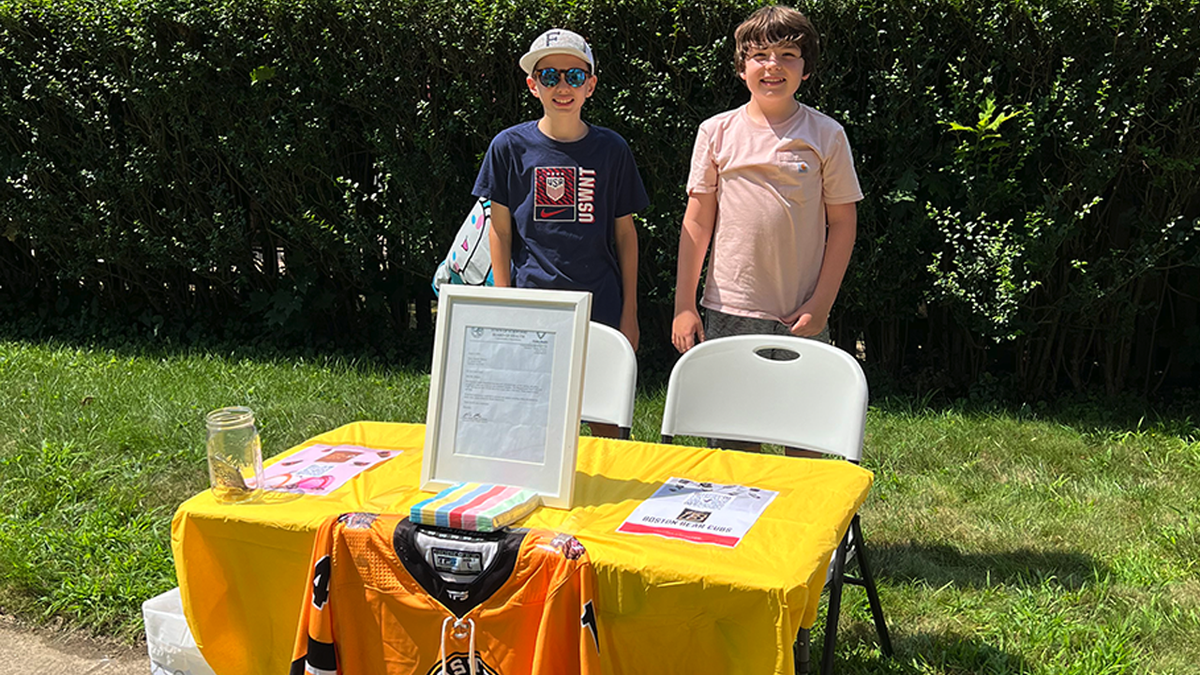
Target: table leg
column 801, row 651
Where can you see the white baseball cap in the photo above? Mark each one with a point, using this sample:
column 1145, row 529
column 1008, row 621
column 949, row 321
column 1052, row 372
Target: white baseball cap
column 557, row 41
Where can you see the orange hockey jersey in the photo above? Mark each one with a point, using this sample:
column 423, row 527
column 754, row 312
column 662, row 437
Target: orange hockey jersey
column 388, row 597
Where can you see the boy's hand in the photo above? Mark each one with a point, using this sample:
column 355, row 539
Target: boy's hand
column 687, row 330
column 809, row 320
column 813, row 315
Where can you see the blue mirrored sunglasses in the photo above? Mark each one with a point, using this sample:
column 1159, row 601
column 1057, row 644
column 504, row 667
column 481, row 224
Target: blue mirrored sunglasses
column 575, row 77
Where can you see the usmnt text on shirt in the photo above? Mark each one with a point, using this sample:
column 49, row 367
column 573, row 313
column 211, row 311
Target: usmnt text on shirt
column 563, row 195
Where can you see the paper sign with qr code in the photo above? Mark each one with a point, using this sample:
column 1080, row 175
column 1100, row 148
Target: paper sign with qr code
column 704, row 513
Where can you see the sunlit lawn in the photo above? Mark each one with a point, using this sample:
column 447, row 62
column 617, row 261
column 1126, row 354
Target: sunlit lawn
column 1062, row 541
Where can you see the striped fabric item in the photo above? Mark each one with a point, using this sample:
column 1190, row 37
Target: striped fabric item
column 481, row 507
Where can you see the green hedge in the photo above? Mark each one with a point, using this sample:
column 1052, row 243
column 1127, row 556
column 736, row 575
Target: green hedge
column 1030, row 167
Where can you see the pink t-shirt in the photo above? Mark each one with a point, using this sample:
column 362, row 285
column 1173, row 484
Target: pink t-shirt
column 772, row 185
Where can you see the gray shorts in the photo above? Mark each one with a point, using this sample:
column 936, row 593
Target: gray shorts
column 719, row 325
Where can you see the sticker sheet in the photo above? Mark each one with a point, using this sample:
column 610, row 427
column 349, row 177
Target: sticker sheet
column 705, row 513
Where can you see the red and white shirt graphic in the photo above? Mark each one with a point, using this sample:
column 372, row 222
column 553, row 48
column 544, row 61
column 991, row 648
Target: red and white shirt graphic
column 555, row 193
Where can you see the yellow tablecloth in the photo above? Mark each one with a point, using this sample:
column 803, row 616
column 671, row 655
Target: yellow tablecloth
column 700, row 608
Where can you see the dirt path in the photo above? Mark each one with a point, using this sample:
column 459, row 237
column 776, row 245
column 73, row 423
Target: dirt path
column 25, row 650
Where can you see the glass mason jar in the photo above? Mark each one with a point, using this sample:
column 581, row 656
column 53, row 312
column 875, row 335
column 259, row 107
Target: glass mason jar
column 235, row 469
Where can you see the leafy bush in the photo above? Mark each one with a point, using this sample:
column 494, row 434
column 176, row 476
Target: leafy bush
column 295, row 168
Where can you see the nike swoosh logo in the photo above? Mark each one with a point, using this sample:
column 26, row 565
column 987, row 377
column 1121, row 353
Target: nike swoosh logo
column 551, row 214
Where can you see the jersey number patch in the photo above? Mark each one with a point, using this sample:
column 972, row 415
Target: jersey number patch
column 457, row 664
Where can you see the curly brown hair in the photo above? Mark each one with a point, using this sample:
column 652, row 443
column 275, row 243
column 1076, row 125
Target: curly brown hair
column 776, row 25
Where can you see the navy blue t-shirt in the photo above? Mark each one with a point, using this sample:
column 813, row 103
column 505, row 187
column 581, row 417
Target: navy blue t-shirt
column 565, row 199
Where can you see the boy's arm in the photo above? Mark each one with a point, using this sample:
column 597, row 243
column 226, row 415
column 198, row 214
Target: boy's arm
column 500, row 243
column 627, row 258
column 813, row 315
column 694, row 237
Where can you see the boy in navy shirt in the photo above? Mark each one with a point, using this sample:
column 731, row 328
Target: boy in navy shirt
column 564, row 192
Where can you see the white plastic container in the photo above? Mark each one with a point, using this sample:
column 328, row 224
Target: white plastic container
column 172, row 649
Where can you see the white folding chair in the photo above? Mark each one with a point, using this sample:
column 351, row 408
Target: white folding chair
column 609, row 379
column 788, row 391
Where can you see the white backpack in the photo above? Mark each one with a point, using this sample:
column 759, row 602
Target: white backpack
column 470, row 258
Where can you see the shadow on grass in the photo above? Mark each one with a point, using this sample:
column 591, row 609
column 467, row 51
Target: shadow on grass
column 919, row 653
column 941, row 564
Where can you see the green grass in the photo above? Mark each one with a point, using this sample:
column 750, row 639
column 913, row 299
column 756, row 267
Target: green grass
column 1009, row 544
column 1056, row 541
column 98, row 448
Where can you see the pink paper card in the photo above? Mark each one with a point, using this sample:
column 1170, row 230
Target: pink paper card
column 321, row 469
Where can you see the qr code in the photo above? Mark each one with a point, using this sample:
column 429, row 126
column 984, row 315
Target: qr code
column 708, row 500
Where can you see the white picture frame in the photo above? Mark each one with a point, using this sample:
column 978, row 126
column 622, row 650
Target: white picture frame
column 506, row 385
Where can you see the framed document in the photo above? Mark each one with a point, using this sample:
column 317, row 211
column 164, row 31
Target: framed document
column 505, row 388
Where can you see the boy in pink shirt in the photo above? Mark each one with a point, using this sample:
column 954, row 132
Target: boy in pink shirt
column 772, row 188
